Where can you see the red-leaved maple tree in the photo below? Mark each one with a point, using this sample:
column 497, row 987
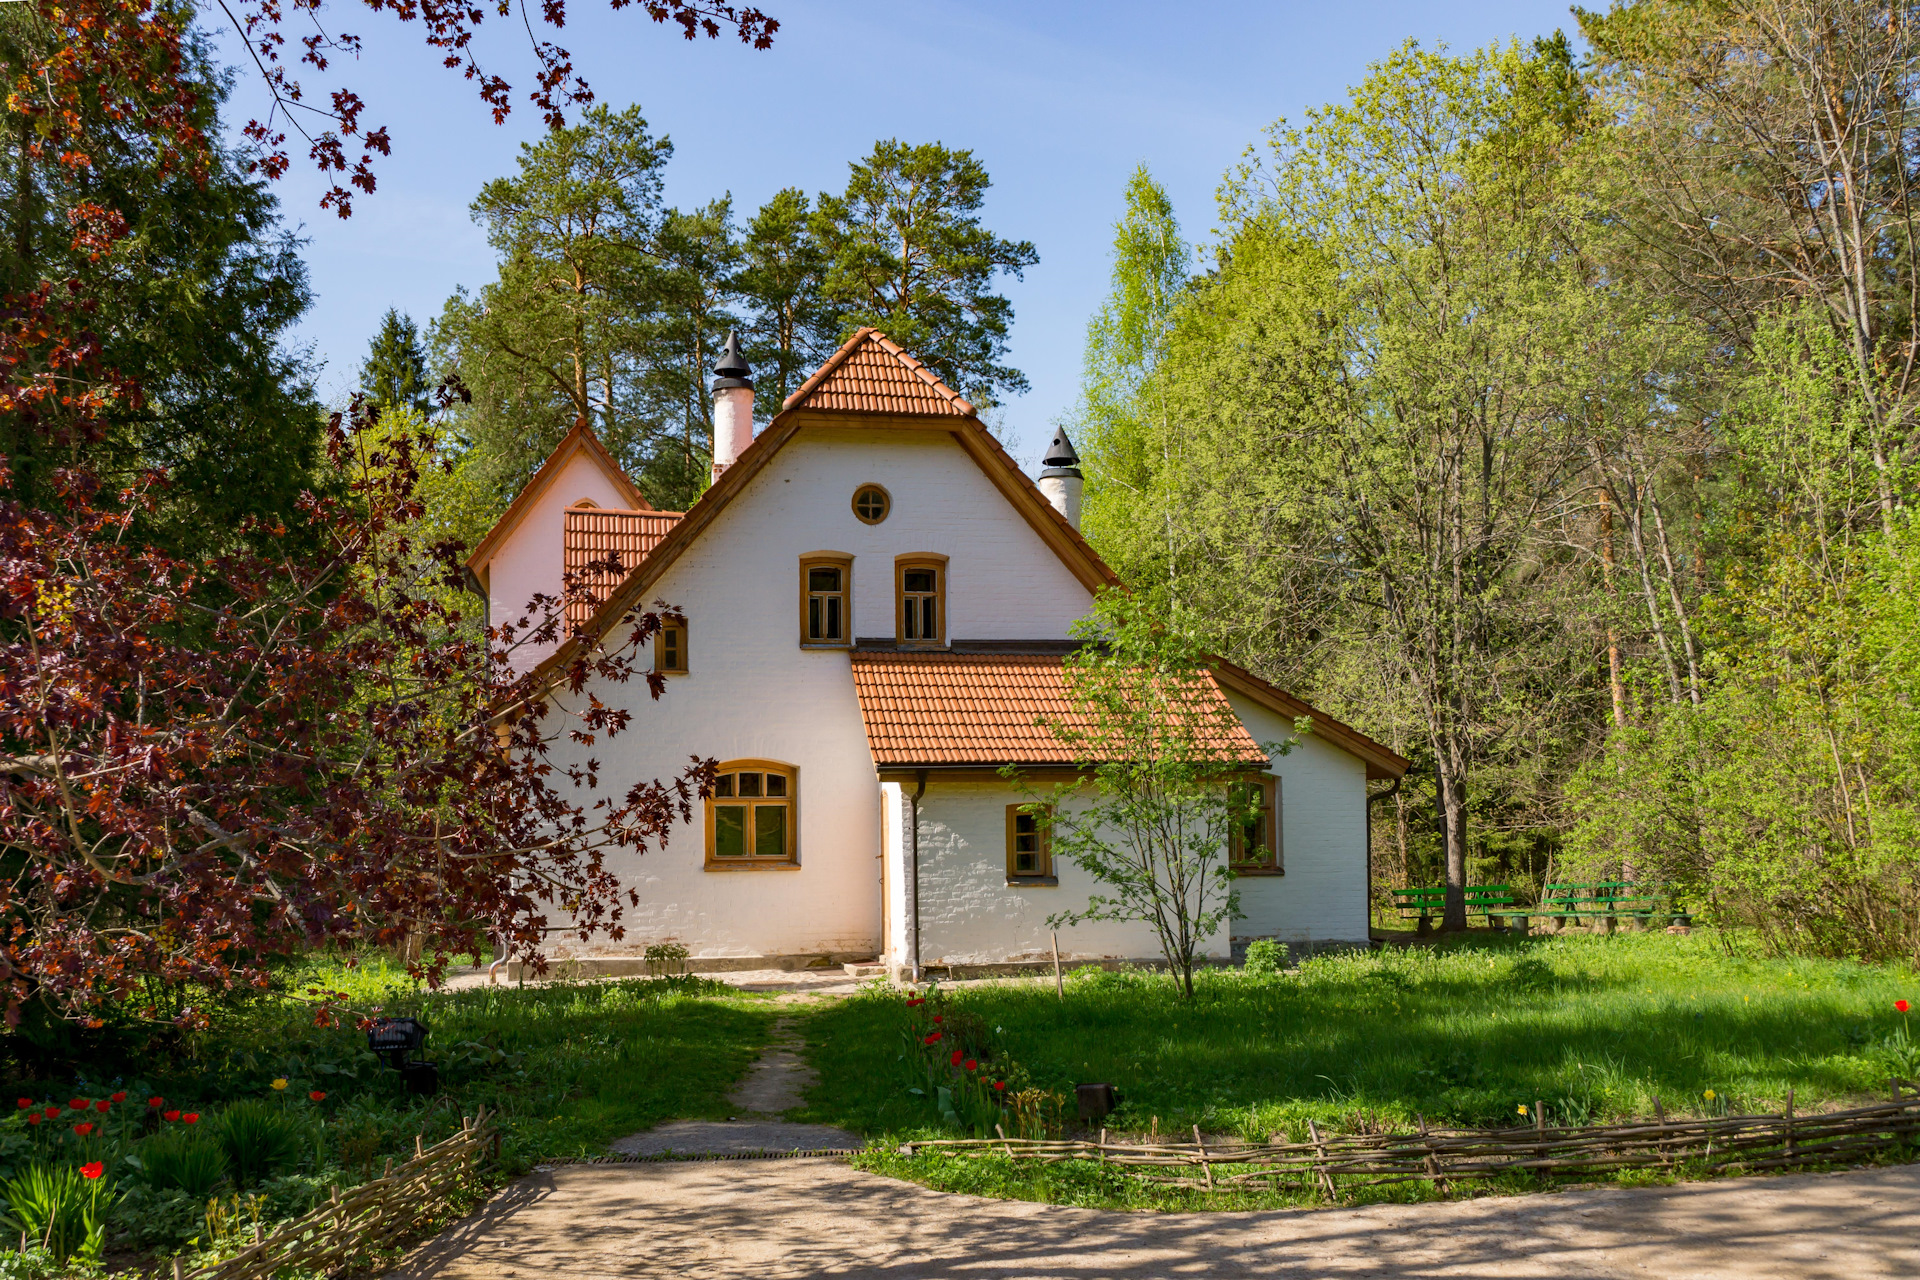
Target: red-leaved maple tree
column 211, row 764
column 205, row 764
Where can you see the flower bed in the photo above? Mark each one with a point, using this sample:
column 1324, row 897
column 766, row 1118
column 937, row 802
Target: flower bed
column 971, row 1086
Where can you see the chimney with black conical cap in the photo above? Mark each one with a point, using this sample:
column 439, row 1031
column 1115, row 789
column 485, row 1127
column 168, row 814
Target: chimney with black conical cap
column 732, row 405
column 1061, row 479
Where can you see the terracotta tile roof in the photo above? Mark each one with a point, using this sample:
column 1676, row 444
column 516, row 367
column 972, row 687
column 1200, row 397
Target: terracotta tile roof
column 871, row 373
column 983, row 708
column 594, row 533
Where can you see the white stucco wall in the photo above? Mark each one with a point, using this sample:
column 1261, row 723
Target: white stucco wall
column 969, row 914
column 531, row 560
column 1323, row 821
column 753, row 692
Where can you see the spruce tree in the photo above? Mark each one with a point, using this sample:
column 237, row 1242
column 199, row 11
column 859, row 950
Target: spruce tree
column 395, row 373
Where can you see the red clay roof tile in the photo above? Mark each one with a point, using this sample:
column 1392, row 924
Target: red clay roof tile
column 984, row 709
column 592, row 534
column 871, row 373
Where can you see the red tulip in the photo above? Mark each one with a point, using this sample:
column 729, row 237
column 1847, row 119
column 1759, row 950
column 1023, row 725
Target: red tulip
column 192, row 1117
column 972, row 1065
column 102, row 1105
column 318, row 1095
column 957, row 1055
column 120, row 1096
column 25, row 1103
column 930, row 1037
column 1901, row 1005
column 93, row 1169
column 1000, row 1085
column 938, row 1018
column 81, row 1104
column 156, row 1103
column 53, row 1111
column 33, row 1118
column 170, row 1116
column 83, row 1129
column 915, row 1001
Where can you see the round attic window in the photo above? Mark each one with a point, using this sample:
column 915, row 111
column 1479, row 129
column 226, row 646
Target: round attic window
column 871, row 503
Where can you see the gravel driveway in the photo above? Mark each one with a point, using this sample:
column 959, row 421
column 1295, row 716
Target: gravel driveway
column 817, row 1217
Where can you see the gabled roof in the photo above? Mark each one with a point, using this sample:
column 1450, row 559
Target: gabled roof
column 924, row 708
column 580, row 440
column 594, row 535
column 871, row 373
column 906, row 397
column 1019, row 489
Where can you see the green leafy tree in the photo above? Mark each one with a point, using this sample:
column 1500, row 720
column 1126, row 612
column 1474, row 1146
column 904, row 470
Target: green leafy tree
column 394, row 374
column 907, row 252
column 1150, row 820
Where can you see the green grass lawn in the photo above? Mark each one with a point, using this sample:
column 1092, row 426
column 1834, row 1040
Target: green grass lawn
column 1597, row 1027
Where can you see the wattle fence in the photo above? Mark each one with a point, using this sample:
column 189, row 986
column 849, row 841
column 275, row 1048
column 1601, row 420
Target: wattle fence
column 351, row 1227
column 1325, row 1163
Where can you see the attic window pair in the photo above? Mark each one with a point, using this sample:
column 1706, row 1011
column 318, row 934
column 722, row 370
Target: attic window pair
column 826, row 600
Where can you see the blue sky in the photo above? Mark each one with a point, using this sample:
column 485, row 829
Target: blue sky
column 1059, row 99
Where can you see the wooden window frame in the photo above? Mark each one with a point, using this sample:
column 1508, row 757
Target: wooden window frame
column 901, row 565
column 828, row 560
column 1272, row 859
column 854, row 502
column 1043, row 847
column 790, row 860
column 660, row 655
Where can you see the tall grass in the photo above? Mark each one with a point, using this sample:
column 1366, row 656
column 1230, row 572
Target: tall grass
column 1597, row 1027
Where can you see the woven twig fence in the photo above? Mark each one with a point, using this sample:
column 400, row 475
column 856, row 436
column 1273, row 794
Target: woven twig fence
column 1330, row 1161
column 353, row 1224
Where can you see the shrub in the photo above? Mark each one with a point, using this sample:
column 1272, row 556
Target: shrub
column 62, row 1208
column 259, row 1140
column 182, row 1160
column 1263, row 958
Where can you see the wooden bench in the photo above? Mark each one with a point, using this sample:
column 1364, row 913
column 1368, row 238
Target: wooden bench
column 1425, row 904
column 1605, row 902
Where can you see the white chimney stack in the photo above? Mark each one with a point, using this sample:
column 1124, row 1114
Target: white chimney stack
column 1060, row 482
column 732, row 406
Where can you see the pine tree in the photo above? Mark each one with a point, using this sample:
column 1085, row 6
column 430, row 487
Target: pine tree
column 395, row 373
column 907, row 253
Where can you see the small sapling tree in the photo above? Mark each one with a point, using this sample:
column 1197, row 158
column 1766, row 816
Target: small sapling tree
column 1163, row 761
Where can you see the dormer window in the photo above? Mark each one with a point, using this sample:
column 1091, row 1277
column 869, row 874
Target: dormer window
column 920, row 613
column 826, row 600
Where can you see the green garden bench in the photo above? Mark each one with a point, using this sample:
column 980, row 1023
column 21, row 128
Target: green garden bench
column 1605, row 902
column 1424, row 904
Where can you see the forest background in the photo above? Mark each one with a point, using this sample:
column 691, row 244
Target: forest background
column 1550, row 418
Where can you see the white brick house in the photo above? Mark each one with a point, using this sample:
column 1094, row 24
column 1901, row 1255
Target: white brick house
column 877, row 603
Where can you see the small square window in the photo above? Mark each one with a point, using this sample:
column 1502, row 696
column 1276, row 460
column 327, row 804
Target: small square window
column 749, row 784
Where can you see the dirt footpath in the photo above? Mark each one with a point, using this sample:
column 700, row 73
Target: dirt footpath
column 813, row 1217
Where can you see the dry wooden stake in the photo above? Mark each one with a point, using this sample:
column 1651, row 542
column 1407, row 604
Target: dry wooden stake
column 1205, row 1168
column 1059, row 988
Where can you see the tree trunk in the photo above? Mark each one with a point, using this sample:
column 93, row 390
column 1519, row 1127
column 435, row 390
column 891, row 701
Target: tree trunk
column 1451, row 782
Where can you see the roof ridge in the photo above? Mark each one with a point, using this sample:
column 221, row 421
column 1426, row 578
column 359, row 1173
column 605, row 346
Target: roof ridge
column 907, row 362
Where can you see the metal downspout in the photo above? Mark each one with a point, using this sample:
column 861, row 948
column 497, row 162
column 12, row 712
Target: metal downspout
column 913, row 879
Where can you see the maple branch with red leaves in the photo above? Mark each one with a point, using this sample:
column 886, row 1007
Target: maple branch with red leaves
column 205, row 766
